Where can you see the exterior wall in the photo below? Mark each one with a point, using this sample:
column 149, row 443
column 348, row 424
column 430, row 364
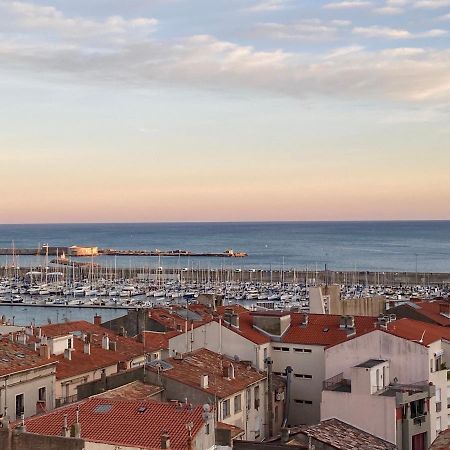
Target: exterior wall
column 438, row 413
column 26, row 441
column 303, row 363
column 248, row 419
column 407, row 360
column 99, row 446
column 27, row 383
column 372, row 413
column 57, row 345
column 220, row 340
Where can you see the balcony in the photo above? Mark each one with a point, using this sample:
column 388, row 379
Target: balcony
column 337, row 384
column 419, row 420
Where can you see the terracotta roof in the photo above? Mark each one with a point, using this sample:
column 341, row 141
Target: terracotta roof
column 98, row 358
column 342, row 436
column 246, row 329
column 81, row 362
column 205, row 362
column 122, row 422
column 235, row 431
column 432, row 310
column 442, row 442
column 15, row 357
column 136, row 390
column 324, row 329
column 155, row 341
column 175, row 317
column 415, row 330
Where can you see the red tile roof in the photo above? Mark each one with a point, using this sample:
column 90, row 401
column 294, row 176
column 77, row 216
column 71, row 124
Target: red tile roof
column 155, row 341
column 15, row 358
column 136, row 390
column 121, row 422
column 246, row 329
column 205, row 362
column 415, row 330
column 432, row 310
column 324, row 329
column 80, row 363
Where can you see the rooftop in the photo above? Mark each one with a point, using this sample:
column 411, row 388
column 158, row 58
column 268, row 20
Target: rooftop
column 136, row 390
column 205, row 362
column 15, row 358
column 342, row 436
column 420, row 332
column 371, row 363
column 123, row 422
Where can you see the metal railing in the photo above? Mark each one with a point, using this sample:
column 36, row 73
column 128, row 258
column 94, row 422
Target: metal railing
column 66, row 400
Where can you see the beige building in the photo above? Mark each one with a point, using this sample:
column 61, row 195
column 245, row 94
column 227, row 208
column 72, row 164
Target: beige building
column 75, row 250
column 27, row 381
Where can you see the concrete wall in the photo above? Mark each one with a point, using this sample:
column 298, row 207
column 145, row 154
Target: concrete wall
column 407, row 360
column 372, row 413
column 309, row 389
column 220, row 340
column 368, row 306
column 26, row 441
column 27, row 383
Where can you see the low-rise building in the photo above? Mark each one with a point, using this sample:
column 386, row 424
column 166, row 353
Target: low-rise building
column 109, row 424
column 27, row 381
column 236, row 391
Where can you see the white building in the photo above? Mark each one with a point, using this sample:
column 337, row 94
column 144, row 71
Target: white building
column 391, row 382
column 27, row 381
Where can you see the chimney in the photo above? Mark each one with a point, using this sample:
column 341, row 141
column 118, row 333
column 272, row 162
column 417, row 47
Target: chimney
column 97, row 320
column 228, row 370
column 38, row 332
column 113, row 346
column 29, row 330
column 65, row 430
column 123, row 332
column 21, row 428
column 87, row 348
column 68, row 354
column 75, row 429
column 285, row 434
column 11, row 336
column 165, row 441
column 204, row 381
column 235, row 320
column 22, row 338
column 44, row 351
column 105, row 342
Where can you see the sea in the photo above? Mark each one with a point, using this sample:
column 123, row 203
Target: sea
column 374, row 246
column 400, row 246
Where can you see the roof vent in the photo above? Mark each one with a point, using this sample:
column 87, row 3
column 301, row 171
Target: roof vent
column 142, row 409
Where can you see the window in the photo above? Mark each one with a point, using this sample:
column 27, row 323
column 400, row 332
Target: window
column 277, row 349
column 69, row 343
column 207, row 429
column 19, row 406
column 431, row 365
column 256, row 397
column 249, row 399
column 284, row 349
column 237, row 404
column 417, row 408
column 303, row 402
column 225, row 409
column 302, row 375
column 42, row 395
column 302, row 350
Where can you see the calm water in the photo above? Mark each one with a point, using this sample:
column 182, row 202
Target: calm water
column 378, row 246
column 42, row 315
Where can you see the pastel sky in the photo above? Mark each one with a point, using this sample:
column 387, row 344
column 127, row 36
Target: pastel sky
column 227, row 110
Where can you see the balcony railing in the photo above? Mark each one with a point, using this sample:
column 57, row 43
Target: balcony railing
column 419, row 420
column 66, row 400
column 337, row 383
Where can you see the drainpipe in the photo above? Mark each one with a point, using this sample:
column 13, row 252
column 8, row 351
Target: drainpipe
column 269, row 363
column 287, row 401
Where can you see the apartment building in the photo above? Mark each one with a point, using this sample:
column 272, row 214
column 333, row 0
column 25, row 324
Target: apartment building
column 27, row 381
column 237, row 392
column 85, row 352
column 391, row 382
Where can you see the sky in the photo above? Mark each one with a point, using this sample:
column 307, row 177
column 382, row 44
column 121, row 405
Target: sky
column 224, row 110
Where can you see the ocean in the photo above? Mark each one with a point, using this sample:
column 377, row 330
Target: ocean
column 374, row 246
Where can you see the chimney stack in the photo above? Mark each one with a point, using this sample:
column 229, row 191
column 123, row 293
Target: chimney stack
column 97, row 320
column 68, row 353
column 165, row 441
column 105, row 341
column 44, row 351
column 75, row 429
column 204, row 381
column 87, row 348
column 65, row 429
column 285, row 434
